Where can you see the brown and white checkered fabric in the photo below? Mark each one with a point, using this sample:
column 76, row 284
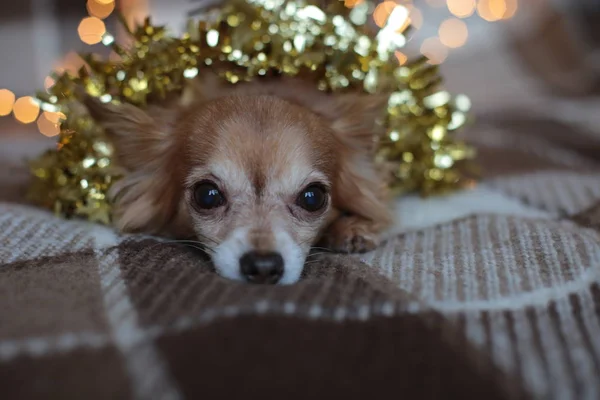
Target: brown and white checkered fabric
column 494, row 305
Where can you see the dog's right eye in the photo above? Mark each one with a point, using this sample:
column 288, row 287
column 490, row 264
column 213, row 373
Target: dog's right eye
column 313, row 198
column 207, row 195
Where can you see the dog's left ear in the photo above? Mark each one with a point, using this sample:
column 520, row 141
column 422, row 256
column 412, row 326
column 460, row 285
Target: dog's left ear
column 358, row 188
column 354, row 117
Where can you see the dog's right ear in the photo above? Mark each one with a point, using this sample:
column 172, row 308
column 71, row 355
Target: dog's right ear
column 137, row 136
column 147, row 197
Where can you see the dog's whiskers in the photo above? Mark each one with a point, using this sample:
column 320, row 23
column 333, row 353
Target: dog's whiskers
column 203, row 249
column 189, row 243
column 201, row 237
column 317, row 254
column 320, row 248
column 311, row 262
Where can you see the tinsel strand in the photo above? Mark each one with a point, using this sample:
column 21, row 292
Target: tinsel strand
column 332, row 47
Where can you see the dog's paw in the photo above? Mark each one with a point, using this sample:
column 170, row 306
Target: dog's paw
column 351, row 235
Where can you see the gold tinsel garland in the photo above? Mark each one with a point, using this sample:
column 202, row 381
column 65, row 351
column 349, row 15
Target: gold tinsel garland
column 244, row 40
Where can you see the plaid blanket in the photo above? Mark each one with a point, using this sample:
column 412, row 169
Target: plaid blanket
column 498, row 297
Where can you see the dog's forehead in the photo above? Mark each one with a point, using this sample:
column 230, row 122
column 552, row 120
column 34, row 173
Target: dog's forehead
column 276, row 158
column 261, row 144
column 278, row 161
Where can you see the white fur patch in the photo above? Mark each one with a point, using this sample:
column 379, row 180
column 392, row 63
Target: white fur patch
column 293, row 257
column 227, row 255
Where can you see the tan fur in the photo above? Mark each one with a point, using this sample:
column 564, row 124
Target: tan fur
column 262, row 142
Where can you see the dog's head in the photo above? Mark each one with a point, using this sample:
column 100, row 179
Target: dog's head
column 254, row 178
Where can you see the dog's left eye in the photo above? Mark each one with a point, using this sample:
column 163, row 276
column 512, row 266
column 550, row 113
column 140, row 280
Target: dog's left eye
column 312, row 199
column 207, row 195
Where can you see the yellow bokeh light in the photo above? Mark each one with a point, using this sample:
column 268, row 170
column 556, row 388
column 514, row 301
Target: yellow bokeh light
column 462, row 8
column 91, row 29
column 401, row 57
column 54, row 117
column 26, row 109
column 497, row 7
column 49, row 123
column 105, row 1
column 399, row 19
column 98, row 9
column 491, row 10
column 453, row 33
column 511, row 9
column 382, row 12
column 352, row 3
column 434, row 50
column 7, row 100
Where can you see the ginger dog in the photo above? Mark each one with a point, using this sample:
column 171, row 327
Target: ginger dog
column 257, row 173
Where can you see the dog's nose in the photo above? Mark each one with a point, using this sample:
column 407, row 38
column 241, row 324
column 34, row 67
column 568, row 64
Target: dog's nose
column 262, row 267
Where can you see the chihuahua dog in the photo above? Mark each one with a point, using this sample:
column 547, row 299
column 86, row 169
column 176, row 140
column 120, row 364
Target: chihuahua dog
column 257, row 172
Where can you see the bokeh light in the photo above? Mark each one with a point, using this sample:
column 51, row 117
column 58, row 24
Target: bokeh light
column 91, row 29
column 453, row 33
column 104, row 1
column 491, row 10
column 511, row 9
column 382, row 12
column 462, row 8
column 352, row 3
column 434, row 50
column 55, row 117
column 101, row 10
column 7, row 100
column 49, row 123
column 401, row 57
column 26, row 109
column 416, row 17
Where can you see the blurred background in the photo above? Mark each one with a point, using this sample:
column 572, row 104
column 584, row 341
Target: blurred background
column 511, row 57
